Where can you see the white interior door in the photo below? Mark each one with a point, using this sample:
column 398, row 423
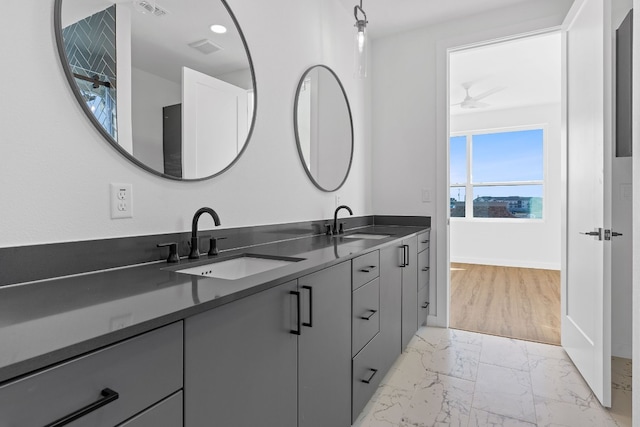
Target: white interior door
column 214, row 123
column 586, row 285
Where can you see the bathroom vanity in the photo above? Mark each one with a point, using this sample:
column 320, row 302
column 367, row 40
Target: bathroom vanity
column 303, row 344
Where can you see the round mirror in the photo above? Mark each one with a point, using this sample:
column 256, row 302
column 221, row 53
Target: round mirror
column 169, row 83
column 324, row 128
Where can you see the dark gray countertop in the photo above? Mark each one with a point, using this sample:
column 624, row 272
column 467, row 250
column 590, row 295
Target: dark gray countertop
column 47, row 322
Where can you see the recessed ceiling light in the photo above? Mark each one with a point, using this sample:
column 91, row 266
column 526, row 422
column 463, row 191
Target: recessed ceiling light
column 218, row 29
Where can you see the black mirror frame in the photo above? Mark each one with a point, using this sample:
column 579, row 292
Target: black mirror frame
column 297, row 134
column 57, row 26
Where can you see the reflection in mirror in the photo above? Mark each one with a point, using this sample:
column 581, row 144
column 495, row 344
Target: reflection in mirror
column 324, row 128
column 175, row 97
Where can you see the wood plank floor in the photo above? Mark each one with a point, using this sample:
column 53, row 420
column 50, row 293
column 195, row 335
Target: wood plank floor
column 512, row 302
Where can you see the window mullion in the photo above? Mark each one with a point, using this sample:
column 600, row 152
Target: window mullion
column 468, row 200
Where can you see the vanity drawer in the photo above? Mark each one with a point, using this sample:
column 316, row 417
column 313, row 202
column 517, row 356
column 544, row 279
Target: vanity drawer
column 423, row 269
column 167, row 413
column 366, row 315
column 367, row 375
column 423, row 305
column 365, row 268
column 142, row 370
column 423, row 241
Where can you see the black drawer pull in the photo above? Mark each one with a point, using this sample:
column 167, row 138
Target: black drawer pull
column 425, row 269
column 374, row 372
column 425, row 241
column 299, row 321
column 425, row 305
column 368, row 269
column 108, row 396
column 369, row 316
column 310, row 323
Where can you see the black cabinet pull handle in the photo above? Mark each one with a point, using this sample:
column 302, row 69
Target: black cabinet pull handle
column 425, row 269
column 368, row 269
column 107, row 396
column 369, row 316
column 425, row 241
column 297, row 295
column 374, row 372
column 310, row 323
column 405, row 255
column 425, row 305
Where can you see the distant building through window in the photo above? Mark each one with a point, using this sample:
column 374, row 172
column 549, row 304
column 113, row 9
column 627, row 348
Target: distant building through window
column 497, row 174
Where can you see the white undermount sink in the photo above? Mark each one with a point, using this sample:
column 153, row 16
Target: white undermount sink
column 371, row 236
column 239, row 267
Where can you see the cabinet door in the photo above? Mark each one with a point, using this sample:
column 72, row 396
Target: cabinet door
column 324, row 349
column 390, row 306
column 409, row 291
column 241, row 362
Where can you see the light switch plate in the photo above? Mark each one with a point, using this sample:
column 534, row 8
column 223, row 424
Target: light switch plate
column 426, row 195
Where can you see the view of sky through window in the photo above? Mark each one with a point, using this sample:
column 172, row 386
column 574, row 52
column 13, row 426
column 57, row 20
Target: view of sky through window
column 507, row 173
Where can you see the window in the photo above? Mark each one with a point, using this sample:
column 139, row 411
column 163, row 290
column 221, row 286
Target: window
column 497, row 175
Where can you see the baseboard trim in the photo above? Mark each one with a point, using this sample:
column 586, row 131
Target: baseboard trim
column 508, row 263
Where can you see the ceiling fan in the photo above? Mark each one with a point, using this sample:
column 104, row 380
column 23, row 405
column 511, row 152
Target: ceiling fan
column 474, row 101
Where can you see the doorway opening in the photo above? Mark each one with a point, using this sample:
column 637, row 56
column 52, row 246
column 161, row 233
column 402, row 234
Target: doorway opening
column 505, row 188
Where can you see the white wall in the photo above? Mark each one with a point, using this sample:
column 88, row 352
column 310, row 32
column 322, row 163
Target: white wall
column 636, row 219
column 514, row 243
column 56, row 169
column 409, row 117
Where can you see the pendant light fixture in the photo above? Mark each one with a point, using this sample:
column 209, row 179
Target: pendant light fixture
column 360, row 42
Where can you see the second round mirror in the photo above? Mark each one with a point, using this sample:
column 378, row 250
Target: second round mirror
column 324, row 128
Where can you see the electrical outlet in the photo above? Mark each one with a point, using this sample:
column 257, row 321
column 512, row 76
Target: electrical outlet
column 121, row 201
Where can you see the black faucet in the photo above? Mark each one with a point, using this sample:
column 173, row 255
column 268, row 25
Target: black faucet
column 195, row 253
column 335, row 218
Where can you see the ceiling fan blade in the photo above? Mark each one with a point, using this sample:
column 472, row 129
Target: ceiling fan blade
column 489, row 92
column 472, row 104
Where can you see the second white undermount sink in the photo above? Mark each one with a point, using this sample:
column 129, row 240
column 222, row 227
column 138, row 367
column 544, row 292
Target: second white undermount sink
column 371, row 236
column 239, row 267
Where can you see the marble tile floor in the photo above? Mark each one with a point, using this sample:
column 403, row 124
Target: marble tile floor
column 448, row 377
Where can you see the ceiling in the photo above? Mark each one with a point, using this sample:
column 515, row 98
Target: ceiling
column 527, row 71
column 393, row 16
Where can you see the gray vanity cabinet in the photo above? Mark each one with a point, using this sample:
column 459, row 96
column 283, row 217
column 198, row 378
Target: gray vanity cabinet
column 424, row 274
column 324, row 348
column 390, row 305
column 409, row 268
column 241, row 362
column 279, row 358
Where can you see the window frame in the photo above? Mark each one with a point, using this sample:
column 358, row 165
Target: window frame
column 469, row 184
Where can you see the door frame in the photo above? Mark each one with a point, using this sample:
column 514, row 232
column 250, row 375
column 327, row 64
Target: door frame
column 444, row 49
